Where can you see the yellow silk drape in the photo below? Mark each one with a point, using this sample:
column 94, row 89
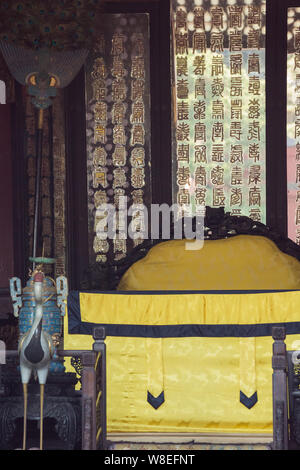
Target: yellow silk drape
column 201, row 376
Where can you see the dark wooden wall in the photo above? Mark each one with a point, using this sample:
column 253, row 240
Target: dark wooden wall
column 6, row 207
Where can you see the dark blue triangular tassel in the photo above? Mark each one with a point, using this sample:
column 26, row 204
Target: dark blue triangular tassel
column 156, row 401
column 248, row 401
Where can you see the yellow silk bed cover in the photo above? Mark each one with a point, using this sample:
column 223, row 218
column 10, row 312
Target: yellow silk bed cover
column 186, row 361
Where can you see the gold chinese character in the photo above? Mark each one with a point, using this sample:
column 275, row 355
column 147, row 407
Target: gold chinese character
column 181, row 43
column 137, row 158
column 100, row 112
column 254, row 196
column 236, row 175
column 200, row 176
column 200, row 85
column 254, row 130
column 137, row 177
column 235, row 16
column 254, row 109
column 254, row 15
column 254, row 151
column 217, row 153
column 235, row 41
column 254, row 174
column 216, row 42
column 235, row 129
column 218, row 197
column 198, row 18
column 138, row 67
column 217, row 66
column 183, row 154
column 217, row 109
column 236, row 153
column 253, row 39
column 217, row 175
column 119, row 156
column 217, row 131
column 99, row 178
column 199, row 41
column 183, row 176
column 100, row 198
column 236, row 86
column 236, row 62
column 181, row 66
column 119, row 134
column 118, row 44
column 200, row 132
column 182, row 89
column 137, row 112
column 236, row 109
column 255, row 215
column 101, row 246
column 236, row 197
column 99, row 69
column 183, row 131
column 100, row 134
column 118, row 113
column 137, row 89
column 99, row 89
column 119, row 178
column 137, row 196
column 183, row 111
column 217, row 17
column 118, row 70
column 200, row 196
column 199, row 109
column 200, row 154
column 217, row 87
column 199, row 64
column 181, row 19
column 119, row 90
column 253, row 63
column 254, row 85
column 99, row 157
column 137, row 134
column 183, row 196
column 120, row 245
column 119, row 195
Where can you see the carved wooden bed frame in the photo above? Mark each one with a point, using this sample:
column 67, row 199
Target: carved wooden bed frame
column 218, row 224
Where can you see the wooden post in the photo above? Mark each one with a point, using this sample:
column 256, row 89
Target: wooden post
column 101, row 424
column 88, row 359
column 279, row 379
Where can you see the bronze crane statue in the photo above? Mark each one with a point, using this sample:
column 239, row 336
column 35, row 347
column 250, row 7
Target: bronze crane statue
column 35, row 349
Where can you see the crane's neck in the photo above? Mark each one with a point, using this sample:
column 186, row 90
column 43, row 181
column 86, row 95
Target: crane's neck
column 38, row 314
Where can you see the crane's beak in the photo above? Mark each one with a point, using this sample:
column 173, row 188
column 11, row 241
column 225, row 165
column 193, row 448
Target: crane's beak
column 38, row 286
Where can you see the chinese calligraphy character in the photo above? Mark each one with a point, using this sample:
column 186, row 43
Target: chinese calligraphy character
column 119, row 156
column 200, row 154
column 199, row 41
column 137, row 112
column 137, row 158
column 137, row 177
column 138, row 134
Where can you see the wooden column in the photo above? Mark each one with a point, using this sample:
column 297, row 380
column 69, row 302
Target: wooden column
column 280, row 400
column 88, row 359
